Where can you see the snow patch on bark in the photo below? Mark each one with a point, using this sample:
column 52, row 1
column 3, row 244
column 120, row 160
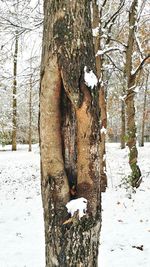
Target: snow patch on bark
column 95, row 32
column 122, row 97
column 90, row 78
column 104, row 130
column 79, row 204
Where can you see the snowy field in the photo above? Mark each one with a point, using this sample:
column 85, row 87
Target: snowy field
column 21, row 219
column 125, row 236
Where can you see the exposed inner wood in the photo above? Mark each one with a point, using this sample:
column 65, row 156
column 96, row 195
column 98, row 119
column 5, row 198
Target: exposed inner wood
column 50, row 129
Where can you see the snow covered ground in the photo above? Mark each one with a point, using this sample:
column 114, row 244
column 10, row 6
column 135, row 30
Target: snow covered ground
column 125, row 236
column 21, row 220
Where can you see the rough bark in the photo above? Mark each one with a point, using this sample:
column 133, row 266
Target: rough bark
column 30, row 114
column 14, row 104
column 102, row 97
column 123, row 121
column 129, row 100
column 123, row 128
column 88, row 151
column 69, row 135
column 103, row 107
column 144, row 110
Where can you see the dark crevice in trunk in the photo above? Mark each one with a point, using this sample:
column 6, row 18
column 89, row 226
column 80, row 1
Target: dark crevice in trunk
column 69, row 142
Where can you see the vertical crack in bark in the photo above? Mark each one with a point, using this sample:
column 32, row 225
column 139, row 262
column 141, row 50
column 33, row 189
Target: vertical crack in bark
column 69, row 136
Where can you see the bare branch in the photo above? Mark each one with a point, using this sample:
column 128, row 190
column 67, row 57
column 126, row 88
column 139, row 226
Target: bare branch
column 114, row 16
column 112, row 19
column 119, row 42
column 131, row 37
column 14, row 24
column 105, row 51
column 103, row 5
column 140, row 66
column 138, row 46
column 141, row 10
column 113, row 63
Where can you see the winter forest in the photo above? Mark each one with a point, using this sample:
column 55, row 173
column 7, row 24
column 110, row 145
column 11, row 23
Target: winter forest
column 74, row 133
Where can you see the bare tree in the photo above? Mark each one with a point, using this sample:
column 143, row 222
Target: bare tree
column 144, row 109
column 14, row 118
column 131, row 77
column 15, row 31
column 132, row 55
column 123, row 122
column 30, row 113
column 102, row 97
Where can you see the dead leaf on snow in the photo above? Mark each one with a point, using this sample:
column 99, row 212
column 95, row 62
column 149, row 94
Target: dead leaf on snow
column 138, row 247
column 120, row 221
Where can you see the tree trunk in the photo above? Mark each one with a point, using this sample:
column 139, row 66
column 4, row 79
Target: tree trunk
column 14, row 118
column 30, row 114
column 102, row 97
column 102, row 102
column 135, row 176
column 69, row 135
column 144, row 110
column 123, row 125
column 131, row 140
